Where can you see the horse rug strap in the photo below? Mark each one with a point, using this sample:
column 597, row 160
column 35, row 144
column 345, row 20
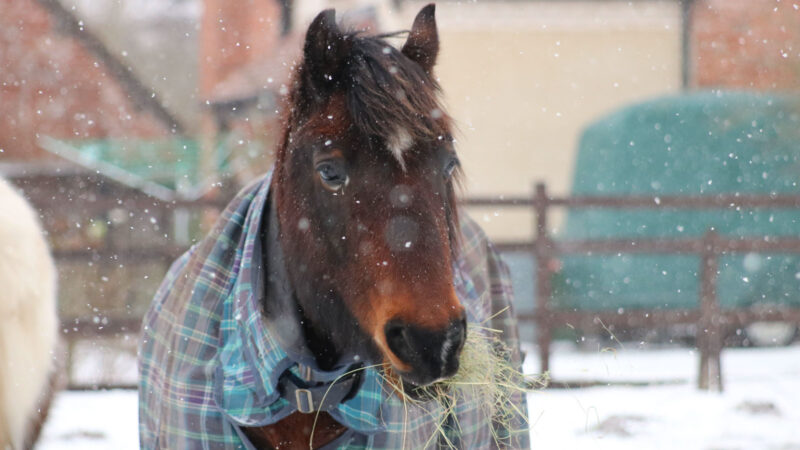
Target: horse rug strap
column 312, row 397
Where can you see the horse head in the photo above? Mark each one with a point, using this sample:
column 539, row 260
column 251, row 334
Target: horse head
column 364, row 192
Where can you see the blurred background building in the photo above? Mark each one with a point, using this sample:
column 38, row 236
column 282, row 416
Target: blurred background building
column 106, row 106
column 521, row 78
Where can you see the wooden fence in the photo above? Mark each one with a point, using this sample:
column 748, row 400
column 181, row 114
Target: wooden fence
column 76, row 329
column 712, row 323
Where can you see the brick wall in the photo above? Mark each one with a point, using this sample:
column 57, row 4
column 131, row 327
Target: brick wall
column 750, row 44
column 234, row 35
column 50, row 85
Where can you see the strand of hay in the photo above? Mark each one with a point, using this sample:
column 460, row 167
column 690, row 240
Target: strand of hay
column 324, row 396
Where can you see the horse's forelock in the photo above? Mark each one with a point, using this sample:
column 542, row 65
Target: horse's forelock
column 389, row 92
column 388, row 97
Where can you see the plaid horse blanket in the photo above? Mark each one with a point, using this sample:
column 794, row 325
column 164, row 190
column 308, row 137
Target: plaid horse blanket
column 209, row 366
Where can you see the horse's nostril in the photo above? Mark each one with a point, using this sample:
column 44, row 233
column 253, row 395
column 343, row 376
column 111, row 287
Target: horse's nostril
column 431, row 354
column 397, row 339
column 458, row 333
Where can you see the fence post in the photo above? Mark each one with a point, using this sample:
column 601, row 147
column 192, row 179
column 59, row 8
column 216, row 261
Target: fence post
column 542, row 252
column 709, row 329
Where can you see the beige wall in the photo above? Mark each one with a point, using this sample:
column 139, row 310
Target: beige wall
column 523, row 79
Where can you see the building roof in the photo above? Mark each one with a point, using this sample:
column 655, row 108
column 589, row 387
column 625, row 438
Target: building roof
column 59, row 80
column 139, row 94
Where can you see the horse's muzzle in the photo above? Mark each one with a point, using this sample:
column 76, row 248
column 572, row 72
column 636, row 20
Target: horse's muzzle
column 431, row 354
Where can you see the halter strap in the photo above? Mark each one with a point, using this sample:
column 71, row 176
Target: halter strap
column 321, row 396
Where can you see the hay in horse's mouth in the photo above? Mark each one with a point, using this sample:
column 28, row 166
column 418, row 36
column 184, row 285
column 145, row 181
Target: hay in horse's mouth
column 485, row 375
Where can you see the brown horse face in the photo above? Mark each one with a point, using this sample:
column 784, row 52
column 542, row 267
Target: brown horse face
column 364, row 188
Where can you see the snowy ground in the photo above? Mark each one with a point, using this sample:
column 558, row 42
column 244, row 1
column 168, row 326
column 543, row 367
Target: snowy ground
column 91, row 421
column 760, row 408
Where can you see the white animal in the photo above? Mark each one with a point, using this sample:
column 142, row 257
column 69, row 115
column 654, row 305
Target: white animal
column 28, row 323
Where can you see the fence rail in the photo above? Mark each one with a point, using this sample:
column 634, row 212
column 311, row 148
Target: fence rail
column 641, row 201
column 711, row 321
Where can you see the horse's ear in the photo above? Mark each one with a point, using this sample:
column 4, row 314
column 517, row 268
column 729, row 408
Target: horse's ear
column 422, row 45
column 325, row 50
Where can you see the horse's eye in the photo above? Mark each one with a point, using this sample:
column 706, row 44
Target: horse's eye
column 332, row 174
column 451, row 166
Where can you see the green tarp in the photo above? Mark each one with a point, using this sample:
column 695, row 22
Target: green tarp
column 169, row 162
column 163, row 167
column 698, row 144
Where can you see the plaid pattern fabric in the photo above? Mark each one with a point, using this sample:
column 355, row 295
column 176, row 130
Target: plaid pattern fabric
column 209, row 366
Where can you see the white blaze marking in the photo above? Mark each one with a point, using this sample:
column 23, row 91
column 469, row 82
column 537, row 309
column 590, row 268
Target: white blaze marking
column 398, row 143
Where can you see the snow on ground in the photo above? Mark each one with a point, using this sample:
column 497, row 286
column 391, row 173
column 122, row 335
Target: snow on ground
column 84, row 420
column 760, row 408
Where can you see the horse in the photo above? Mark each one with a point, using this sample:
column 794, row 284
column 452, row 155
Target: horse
column 353, row 263
column 28, row 323
column 364, row 190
